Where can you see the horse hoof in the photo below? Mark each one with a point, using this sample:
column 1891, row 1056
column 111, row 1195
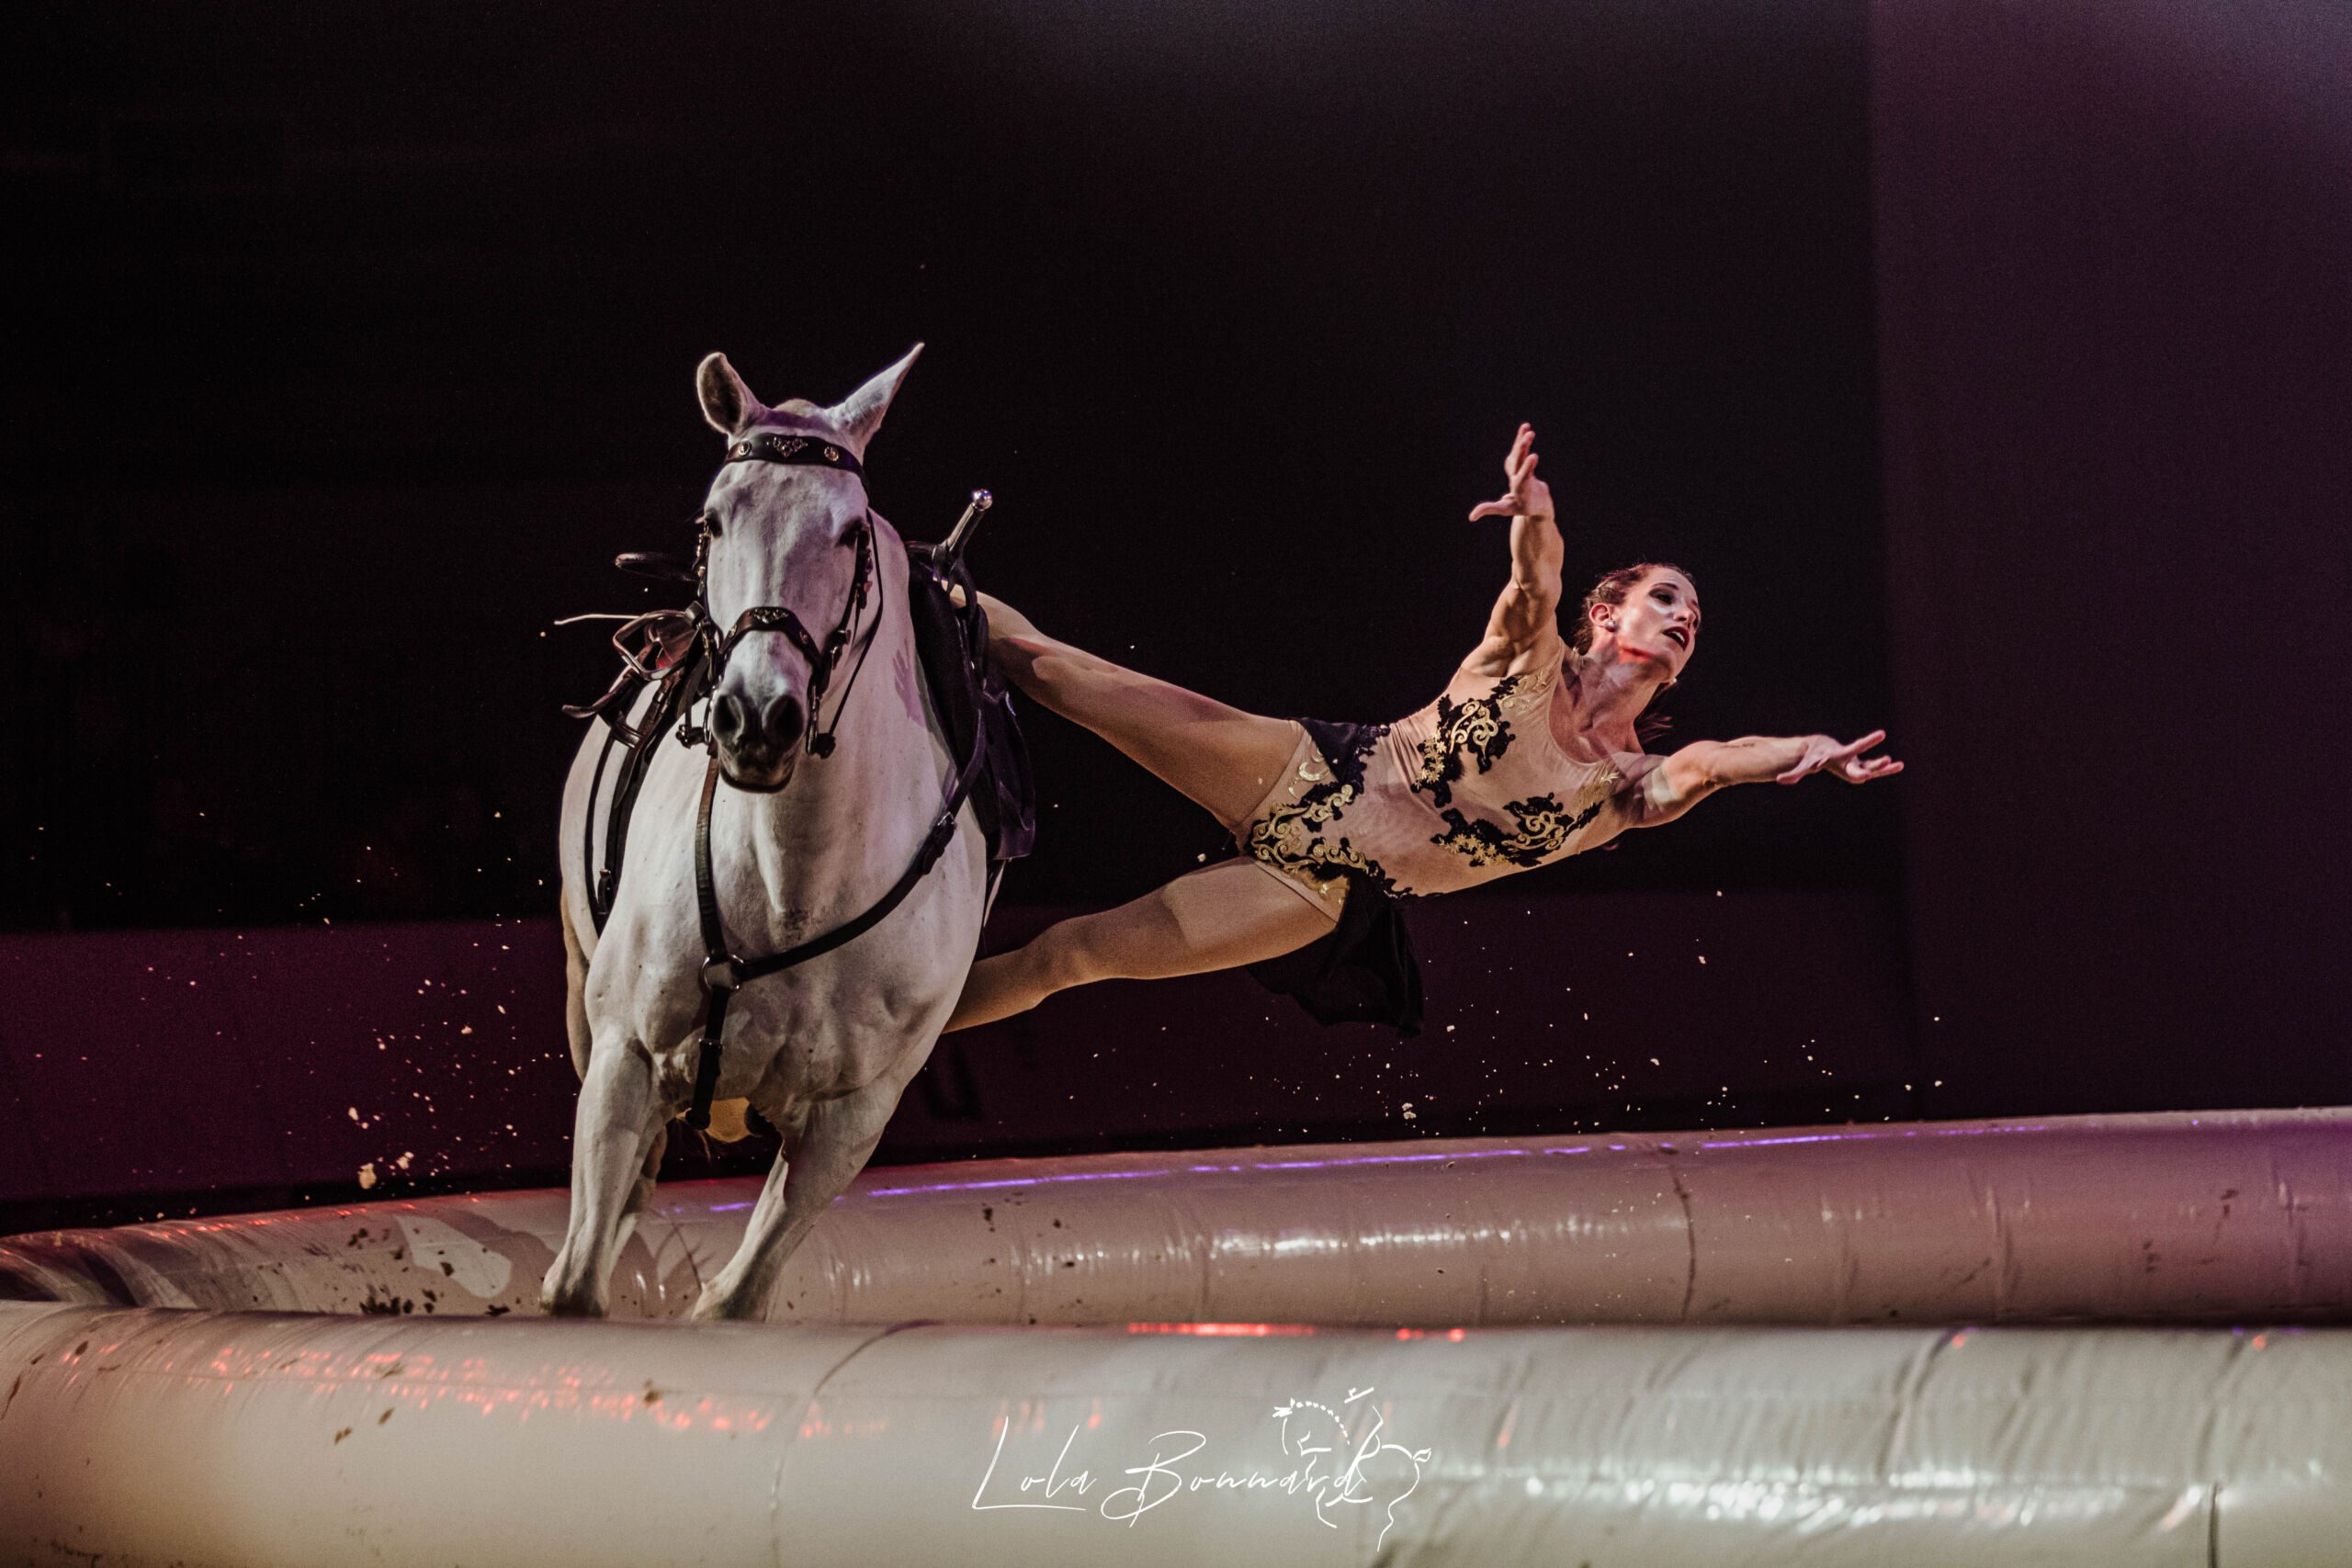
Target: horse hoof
column 554, row 1305
column 717, row 1308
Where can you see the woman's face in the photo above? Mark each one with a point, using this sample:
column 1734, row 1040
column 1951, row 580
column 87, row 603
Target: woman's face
column 1659, row 620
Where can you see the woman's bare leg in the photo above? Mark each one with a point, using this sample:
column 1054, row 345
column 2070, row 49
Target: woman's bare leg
column 1220, row 757
column 1220, row 917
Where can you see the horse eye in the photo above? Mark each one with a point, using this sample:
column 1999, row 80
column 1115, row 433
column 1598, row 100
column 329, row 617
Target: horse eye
column 709, row 521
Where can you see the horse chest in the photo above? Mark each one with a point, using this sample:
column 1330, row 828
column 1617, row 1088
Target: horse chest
column 837, row 1029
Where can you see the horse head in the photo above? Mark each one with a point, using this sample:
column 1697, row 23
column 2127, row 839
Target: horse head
column 789, row 550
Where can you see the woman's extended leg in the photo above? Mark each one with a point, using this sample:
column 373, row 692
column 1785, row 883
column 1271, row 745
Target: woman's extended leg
column 1217, row 918
column 1220, row 757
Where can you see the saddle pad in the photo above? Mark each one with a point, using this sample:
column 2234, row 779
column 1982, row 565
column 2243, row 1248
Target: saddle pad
column 951, row 644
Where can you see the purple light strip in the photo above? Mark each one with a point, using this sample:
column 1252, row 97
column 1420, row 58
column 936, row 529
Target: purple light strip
column 1859, row 1136
column 1014, row 1181
column 1844, row 1136
column 1256, row 1165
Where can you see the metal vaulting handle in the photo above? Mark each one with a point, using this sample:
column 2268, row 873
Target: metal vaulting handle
column 952, row 550
column 661, row 565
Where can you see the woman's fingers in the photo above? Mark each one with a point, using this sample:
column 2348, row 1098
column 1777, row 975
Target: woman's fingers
column 1856, row 748
column 1855, row 768
column 1864, row 744
column 1874, row 768
column 1519, row 469
column 1846, row 761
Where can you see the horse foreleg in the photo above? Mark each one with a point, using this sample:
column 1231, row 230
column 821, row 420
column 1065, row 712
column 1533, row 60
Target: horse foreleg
column 768, row 1218
column 640, row 1198
column 616, row 1104
column 809, row 1172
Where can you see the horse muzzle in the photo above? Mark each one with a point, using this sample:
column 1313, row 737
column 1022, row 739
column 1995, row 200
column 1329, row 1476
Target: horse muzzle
column 758, row 741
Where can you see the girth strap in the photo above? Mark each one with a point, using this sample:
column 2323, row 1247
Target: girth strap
column 676, row 691
column 723, row 974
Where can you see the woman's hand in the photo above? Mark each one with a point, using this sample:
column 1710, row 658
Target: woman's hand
column 1523, row 631
column 1528, row 496
column 1822, row 754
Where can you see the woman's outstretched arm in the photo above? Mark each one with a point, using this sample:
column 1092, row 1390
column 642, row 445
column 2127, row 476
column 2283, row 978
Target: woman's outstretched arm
column 1682, row 779
column 1523, row 631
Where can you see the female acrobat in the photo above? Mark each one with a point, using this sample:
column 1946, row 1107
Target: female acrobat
column 1528, row 756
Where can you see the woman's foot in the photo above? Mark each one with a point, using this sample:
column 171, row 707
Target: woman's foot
column 1219, row 757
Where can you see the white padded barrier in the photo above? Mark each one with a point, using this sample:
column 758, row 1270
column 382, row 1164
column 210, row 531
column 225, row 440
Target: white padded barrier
column 2215, row 1218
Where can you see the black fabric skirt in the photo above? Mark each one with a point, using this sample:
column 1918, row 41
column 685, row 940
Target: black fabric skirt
column 1363, row 970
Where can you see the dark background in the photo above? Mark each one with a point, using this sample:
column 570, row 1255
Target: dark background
column 1986, row 367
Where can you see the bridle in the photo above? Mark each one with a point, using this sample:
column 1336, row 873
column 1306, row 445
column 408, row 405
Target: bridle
column 774, row 447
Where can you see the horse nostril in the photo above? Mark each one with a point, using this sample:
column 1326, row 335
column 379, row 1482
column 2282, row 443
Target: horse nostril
column 783, row 721
column 727, row 718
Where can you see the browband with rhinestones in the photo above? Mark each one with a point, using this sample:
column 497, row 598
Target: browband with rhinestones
column 776, row 446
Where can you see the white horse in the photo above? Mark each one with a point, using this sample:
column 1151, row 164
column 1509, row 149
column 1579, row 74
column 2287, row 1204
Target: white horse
column 799, row 845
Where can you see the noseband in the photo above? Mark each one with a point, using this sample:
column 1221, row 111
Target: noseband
column 774, row 446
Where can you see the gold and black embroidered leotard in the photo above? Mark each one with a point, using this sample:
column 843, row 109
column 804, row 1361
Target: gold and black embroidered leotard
column 1470, row 788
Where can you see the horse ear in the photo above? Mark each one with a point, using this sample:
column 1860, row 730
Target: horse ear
column 859, row 415
column 726, row 401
